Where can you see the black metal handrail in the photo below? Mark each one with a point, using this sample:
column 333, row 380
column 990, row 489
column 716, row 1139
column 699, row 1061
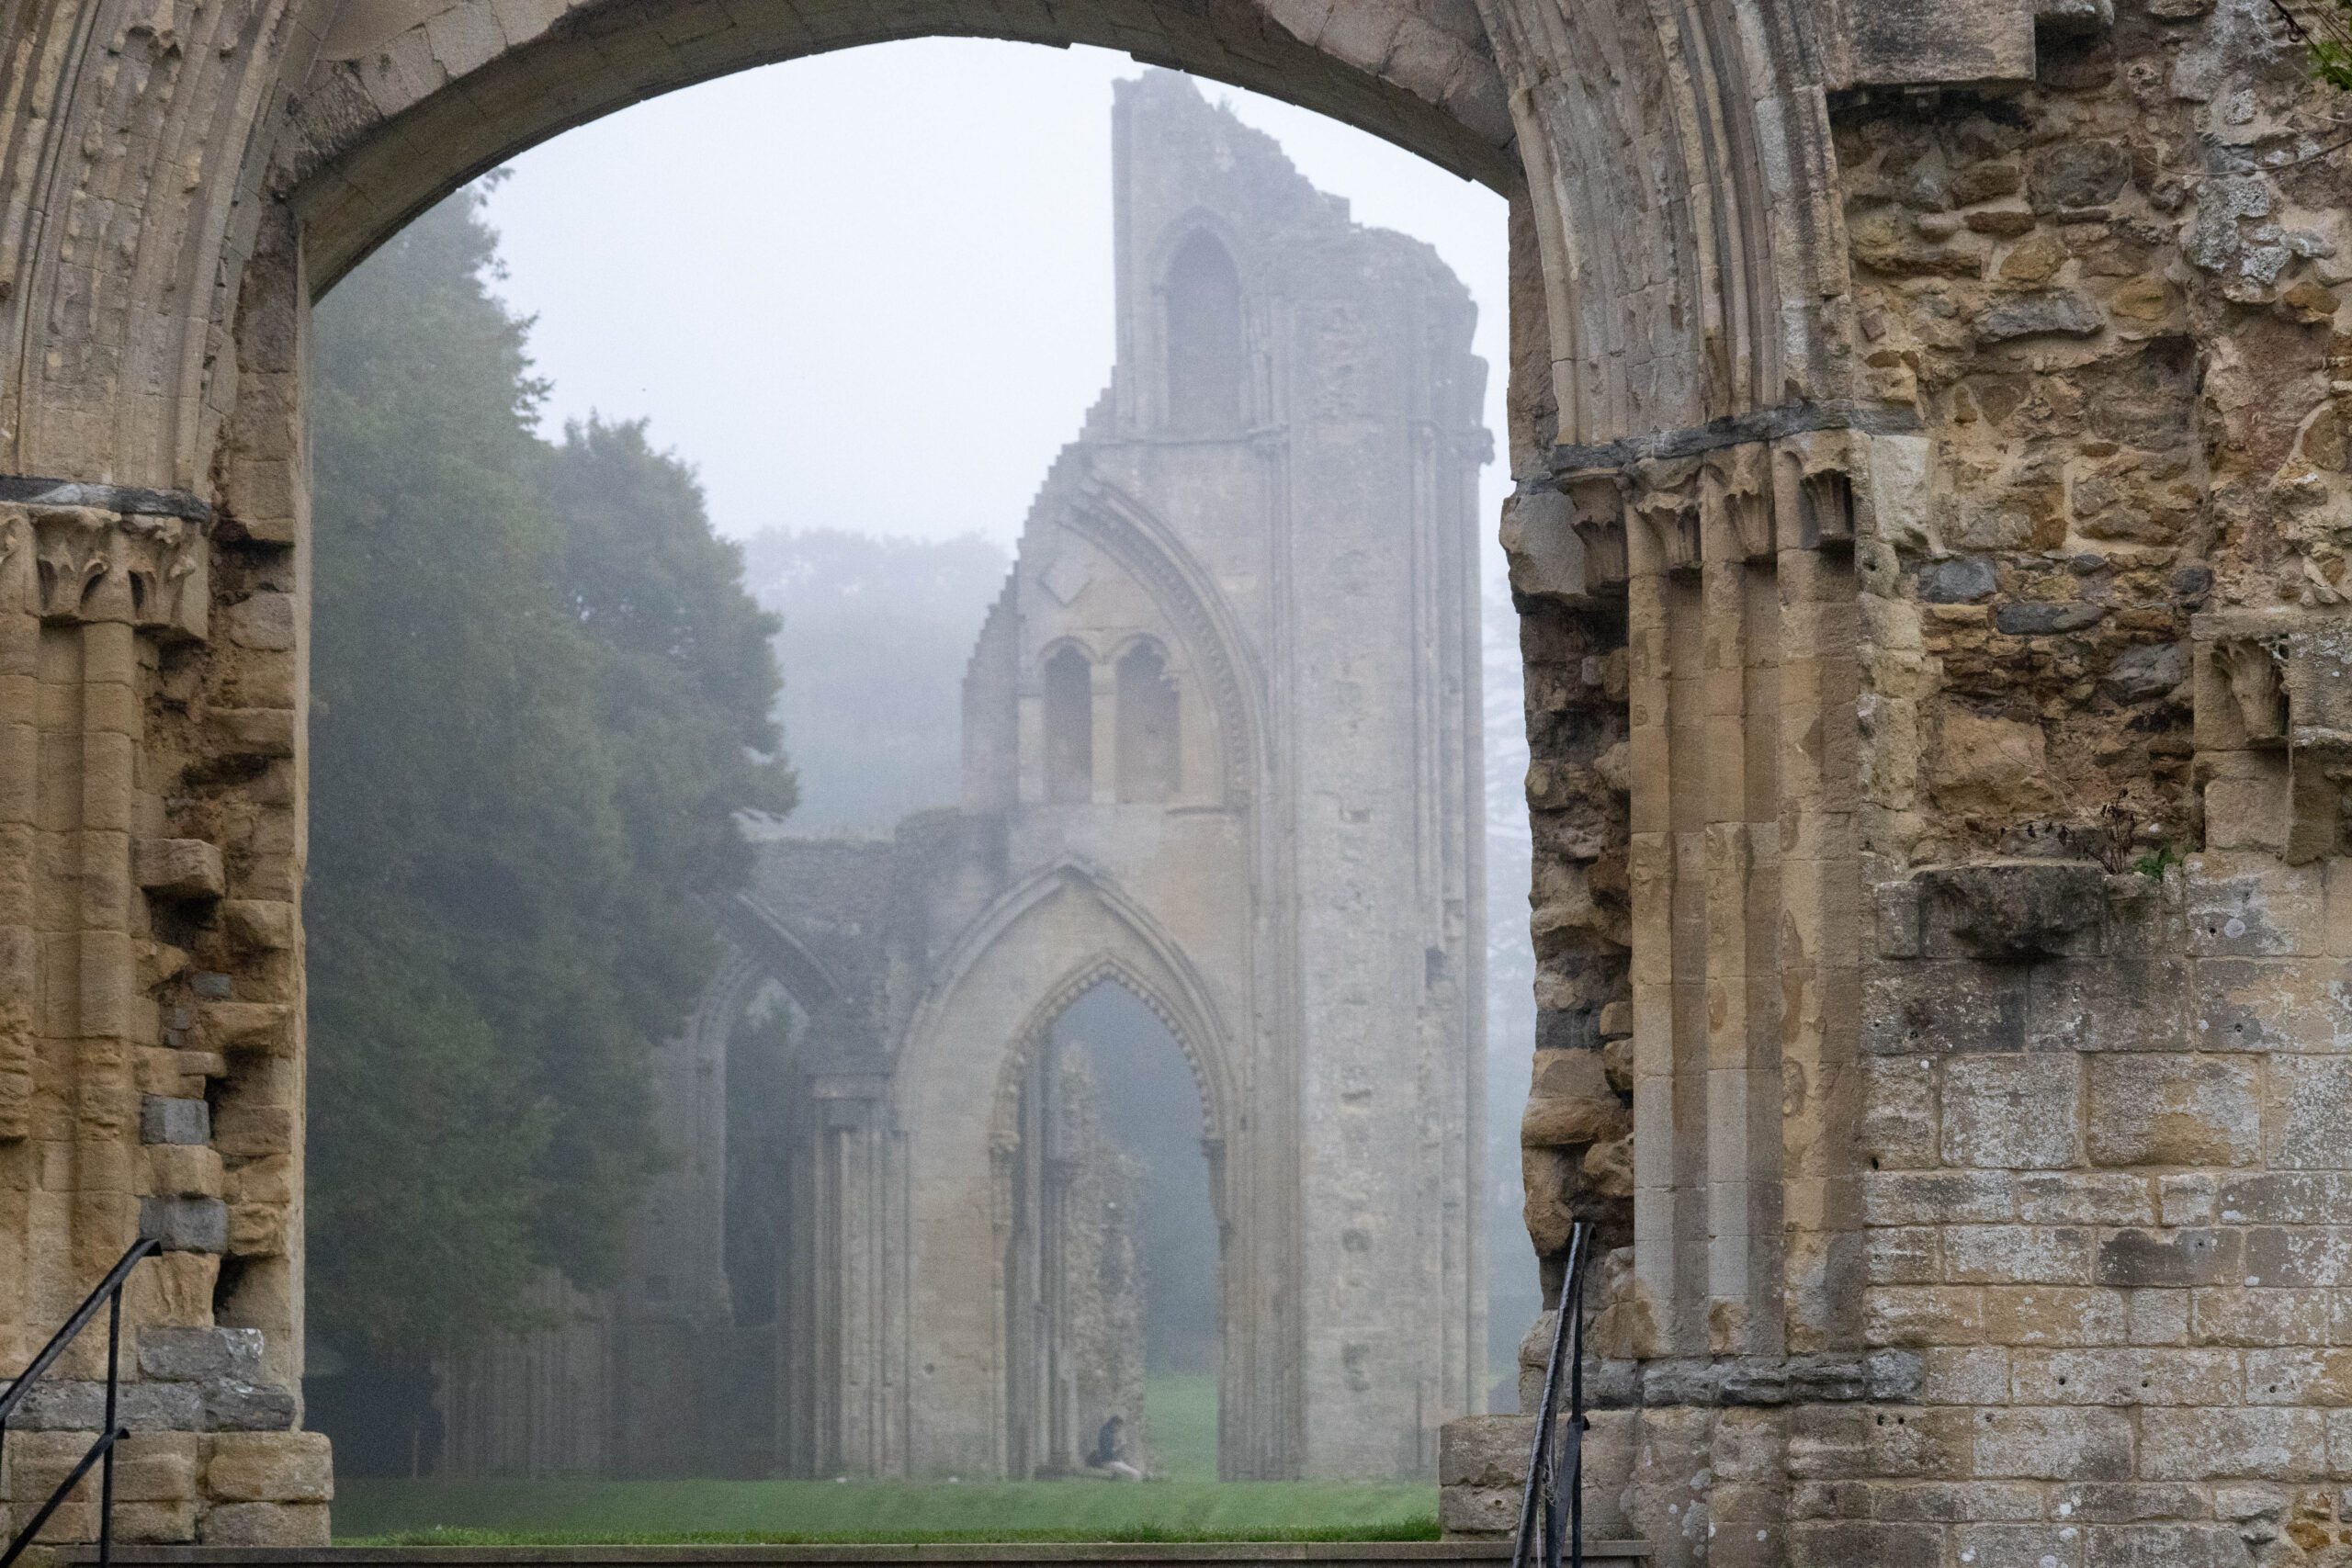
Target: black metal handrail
column 1539, row 1508
column 109, row 1293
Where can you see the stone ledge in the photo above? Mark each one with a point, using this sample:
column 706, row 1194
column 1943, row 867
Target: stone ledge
column 178, row 868
column 1797, row 418
column 197, row 1355
column 1875, row 1377
column 128, row 500
column 1984, row 44
column 213, row 1404
column 1878, row 1376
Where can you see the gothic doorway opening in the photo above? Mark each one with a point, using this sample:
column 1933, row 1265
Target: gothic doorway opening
column 1112, row 1265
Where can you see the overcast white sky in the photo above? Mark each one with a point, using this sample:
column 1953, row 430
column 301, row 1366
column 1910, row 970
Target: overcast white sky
column 872, row 289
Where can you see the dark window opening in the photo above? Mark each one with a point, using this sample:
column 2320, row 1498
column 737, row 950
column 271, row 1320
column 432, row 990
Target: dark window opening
column 762, row 1078
column 1204, row 359
column 1069, row 726
column 1150, row 759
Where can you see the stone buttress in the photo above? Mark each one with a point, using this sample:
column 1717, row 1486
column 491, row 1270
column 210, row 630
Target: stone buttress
column 1947, row 989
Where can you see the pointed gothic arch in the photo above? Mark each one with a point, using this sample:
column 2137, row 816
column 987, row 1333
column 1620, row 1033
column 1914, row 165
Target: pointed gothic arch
column 1099, row 968
column 1205, row 340
column 1179, row 994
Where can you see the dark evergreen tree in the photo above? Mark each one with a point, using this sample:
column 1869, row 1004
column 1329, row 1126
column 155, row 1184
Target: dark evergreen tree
column 540, row 694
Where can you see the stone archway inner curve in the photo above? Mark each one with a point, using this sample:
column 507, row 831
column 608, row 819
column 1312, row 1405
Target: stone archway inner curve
column 183, row 181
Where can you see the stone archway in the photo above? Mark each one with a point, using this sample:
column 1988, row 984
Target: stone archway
column 989, row 1007
column 1841, row 332
column 1677, row 173
column 184, row 184
column 391, row 80
column 1071, row 1203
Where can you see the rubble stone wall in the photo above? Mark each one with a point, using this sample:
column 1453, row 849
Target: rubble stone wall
column 2056, row 1227
column 151, row 853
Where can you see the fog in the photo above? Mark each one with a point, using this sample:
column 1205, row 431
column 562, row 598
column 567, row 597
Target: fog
column 867, row 299
column 870, row 324
column 872, row 290
column 868, row 296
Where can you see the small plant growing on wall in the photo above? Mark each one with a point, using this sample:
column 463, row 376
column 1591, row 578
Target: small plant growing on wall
column 2324, row 29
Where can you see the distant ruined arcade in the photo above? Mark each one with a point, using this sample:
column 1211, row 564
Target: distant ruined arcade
column 1221, row 748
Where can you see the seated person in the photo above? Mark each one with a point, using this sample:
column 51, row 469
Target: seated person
column 1111, row 1450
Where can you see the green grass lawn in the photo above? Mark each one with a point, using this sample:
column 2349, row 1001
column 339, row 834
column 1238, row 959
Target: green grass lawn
column 1183, row 1501
column 489, row 1513
column 1180, row 1425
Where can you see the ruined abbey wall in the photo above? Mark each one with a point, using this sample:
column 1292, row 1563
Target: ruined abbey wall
column 1222, row 751
column 2051, row 832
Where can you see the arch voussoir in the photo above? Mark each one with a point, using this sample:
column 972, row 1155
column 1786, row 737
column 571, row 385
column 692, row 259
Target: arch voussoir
column 405, row 102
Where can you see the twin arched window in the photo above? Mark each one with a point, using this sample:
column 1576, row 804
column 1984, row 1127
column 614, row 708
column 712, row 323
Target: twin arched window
column 1148, row 741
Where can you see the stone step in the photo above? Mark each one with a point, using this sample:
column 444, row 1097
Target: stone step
column 997, row 1555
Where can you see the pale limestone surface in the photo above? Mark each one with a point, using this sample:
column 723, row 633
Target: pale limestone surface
column 1903, row 397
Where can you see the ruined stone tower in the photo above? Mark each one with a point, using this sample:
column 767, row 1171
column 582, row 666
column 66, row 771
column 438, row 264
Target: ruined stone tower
column 1221, row 748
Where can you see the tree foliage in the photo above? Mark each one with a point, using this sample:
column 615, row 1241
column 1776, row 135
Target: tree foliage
column 539, row 695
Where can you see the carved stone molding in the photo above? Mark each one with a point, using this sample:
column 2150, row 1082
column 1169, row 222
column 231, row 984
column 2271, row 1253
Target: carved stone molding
column 1670, row 503
column 2011, row 911
column 1736, row 510
column 1567, row 543
column 2253, row 678
column 1814, row 484
column 1664, row 507
column 1732, row 503
column 1597, row 512
column 81, row 564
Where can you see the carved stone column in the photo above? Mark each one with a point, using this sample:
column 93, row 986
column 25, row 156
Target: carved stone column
column 153, row 672
column 1741, row 563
